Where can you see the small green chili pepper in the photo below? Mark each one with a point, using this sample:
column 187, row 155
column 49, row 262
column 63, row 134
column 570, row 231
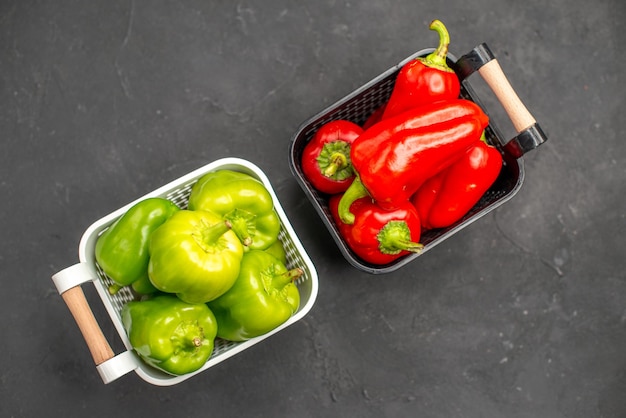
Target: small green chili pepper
column 263, row 297
column 169, row 334
column 122, row 249
column 243, row 201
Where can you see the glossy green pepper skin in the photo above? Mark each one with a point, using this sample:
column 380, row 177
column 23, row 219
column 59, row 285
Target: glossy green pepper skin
column 122, row 249
column 242, row 200
column 144, row 286
column 263, row 297
column 195, row 255
column 169, row 334
column 277, row 250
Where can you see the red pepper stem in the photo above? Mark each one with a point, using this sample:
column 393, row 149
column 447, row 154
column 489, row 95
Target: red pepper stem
column 437, row 58
column 395, row 237
column 334, row 160
column 337, row 161
column 282, row 280
column 356, row 191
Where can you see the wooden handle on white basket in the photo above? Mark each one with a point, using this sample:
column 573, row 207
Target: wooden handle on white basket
column 79, row 307
column 494, row 77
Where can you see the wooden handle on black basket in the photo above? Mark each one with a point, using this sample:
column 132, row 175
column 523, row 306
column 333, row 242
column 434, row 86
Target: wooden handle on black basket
column 79, row 307
column 494, row 77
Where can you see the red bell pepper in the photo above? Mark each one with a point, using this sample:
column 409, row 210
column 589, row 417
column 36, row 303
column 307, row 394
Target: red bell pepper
column 379, row 236
column 326, row 157
column 392, row 165
column 411, row 119
column 425, row 79
column 446, row 197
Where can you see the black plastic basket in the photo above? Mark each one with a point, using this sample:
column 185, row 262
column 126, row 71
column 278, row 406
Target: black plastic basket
column 361, row 103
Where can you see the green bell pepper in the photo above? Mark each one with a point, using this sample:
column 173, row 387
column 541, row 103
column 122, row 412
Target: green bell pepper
column 195, row 255
column 277, row 250
column 144, row 286
column 263, row 297
column 169, row 334
column 122, row 249
column 243, row 201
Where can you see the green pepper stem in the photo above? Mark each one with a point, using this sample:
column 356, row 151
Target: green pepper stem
column 243, row 224
column 188, row 334
column 114, row 288
column 437, row 58
column 395, row 237
column 281, row 280
column 356, row 191
column 210, row 234
column 240, row 226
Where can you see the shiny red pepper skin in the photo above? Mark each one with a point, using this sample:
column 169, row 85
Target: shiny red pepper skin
column 414, row 118
column 390, row 171
column 326, row 157
column 446, row 197
column 379, row 236
column 425, row 79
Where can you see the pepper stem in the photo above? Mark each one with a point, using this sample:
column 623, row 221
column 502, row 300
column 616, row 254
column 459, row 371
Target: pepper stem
column 437, row 58
column 337, row 161
column 209, row 235
column 114, row 288
column 356, row 191
column 188, row 335
column 281, row 280
column 243, row 224
column 395, row 237
column 334, row 160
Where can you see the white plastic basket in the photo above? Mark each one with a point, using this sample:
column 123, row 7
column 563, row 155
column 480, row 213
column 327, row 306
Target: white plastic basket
column 69, row 281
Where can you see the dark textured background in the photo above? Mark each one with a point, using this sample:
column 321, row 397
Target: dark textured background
column 522, row 314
